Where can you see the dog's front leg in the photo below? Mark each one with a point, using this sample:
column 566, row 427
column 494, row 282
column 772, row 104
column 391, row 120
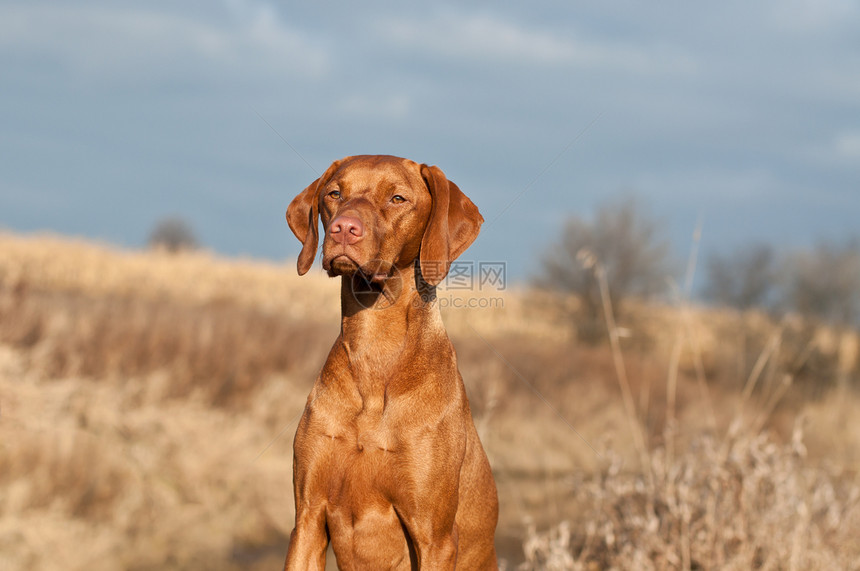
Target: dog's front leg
column 429, row 517
column 308, row 541
column 436, row 551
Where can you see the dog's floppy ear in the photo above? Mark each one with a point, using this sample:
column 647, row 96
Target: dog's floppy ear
column 453, row 226
column 303, row 217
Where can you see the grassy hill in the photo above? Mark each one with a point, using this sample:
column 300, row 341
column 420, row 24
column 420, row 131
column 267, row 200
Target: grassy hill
column 148, row 403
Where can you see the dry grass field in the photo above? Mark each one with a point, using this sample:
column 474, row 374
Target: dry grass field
column 148, row 403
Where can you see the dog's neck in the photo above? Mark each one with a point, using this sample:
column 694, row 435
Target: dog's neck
column 378, row 323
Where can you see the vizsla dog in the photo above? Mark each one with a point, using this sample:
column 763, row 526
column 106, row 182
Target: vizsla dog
column 387, row 462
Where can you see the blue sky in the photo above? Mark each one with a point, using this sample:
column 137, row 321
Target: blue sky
column 746, row 115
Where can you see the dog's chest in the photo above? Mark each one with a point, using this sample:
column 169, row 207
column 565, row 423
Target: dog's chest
column 369, row 431
column 364, row 492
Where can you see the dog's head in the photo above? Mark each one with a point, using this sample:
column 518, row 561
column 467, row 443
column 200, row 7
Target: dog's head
column 381, row 213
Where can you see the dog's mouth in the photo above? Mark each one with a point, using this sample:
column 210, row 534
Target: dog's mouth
column 340, row 265
column 374, row 273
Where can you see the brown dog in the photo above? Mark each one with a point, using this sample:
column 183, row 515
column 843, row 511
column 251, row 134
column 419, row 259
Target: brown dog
column 387, row 462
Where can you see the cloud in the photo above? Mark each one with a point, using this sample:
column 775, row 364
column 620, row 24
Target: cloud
column 138, row 44
column 489, row 38
column 847, row 146
column 839, row 151
column 813, row 16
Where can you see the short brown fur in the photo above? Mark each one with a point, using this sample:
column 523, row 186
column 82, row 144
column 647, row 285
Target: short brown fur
column 387, row 462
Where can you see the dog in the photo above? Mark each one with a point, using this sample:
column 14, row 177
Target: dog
column 387, row 462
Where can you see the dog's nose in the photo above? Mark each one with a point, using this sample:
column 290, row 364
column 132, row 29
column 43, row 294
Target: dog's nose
column 346, row 230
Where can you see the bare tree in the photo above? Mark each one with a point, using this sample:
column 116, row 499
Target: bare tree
column 626, row 240
column 743, row 279
column 172, row 234
column 825, row 282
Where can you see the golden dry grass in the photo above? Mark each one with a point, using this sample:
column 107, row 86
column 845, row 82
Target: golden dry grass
column 148, row 403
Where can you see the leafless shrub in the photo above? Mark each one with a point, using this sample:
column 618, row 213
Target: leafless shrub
column 824, row 283
column 630, row 245
column 173, row 234
column 744, row 279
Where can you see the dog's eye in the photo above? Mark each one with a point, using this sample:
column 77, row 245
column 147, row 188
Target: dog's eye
column 334, row 194
column 397, row 199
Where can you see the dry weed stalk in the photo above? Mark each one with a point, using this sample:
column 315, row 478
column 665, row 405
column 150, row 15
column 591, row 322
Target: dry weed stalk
column 590, row 261
column 757, row 507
